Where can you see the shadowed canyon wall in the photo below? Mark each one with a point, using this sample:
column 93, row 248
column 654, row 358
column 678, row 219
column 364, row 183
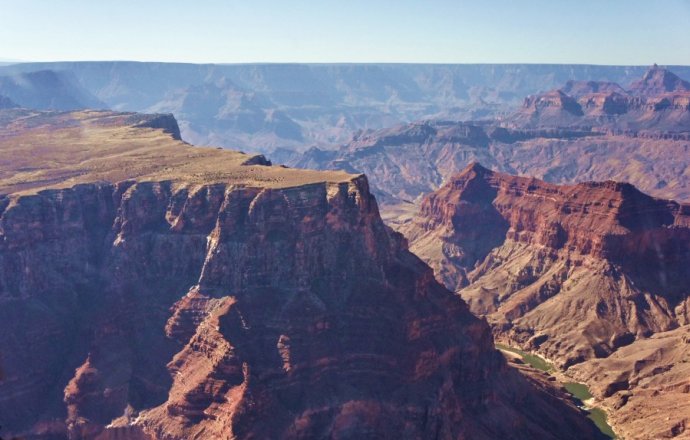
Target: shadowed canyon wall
column 169, row 310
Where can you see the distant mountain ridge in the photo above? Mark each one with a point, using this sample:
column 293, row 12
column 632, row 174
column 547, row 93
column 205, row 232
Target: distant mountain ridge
column 6, row 103
column 47, row 90
column 592, row 135
column 659, row 102
column 262, row 107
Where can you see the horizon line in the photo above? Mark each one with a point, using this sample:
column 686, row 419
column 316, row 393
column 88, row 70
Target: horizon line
column 239, row 63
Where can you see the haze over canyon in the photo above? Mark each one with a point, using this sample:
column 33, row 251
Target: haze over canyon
column 411, row 251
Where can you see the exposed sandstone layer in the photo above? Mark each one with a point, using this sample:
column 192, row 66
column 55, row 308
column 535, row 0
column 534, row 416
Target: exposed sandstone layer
column 208, row 295
column 573, row 273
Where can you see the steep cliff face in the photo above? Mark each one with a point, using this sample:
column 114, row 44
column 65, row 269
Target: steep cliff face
column 296, row 306
column 262, row 303
column 166, row 122
column 573, row 271
column 79, row 296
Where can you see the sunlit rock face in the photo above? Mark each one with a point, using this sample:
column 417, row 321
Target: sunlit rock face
column 573, row 271
column 234, row 299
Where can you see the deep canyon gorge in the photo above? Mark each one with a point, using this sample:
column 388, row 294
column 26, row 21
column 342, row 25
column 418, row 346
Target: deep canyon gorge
column 406, row 251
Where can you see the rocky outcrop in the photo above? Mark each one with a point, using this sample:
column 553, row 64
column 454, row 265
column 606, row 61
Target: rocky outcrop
column 657, row 103
column 657, row 81
column 47, row 90
column 571, row 271
column 278, row 306
column 166, row 122
column 553, row 100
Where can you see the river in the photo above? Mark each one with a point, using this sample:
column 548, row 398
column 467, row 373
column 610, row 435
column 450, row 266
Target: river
column 579, row 391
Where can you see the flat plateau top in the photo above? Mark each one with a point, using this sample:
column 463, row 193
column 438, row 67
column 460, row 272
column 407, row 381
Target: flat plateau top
column 46, row 150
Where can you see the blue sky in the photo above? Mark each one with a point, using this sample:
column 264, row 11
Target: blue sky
column 437, row 31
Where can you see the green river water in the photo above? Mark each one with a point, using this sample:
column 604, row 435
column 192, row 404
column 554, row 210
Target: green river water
column 579, row 390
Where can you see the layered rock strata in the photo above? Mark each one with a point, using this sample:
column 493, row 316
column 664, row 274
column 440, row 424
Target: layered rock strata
column 589, row 276
column 212, row 296
column 596, row 264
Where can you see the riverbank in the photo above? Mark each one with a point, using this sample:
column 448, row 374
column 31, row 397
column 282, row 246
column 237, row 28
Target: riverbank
column 579, row 391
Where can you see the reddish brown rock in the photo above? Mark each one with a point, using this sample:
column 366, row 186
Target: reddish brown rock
column 232, row 300
column 573, row 273
column 602, row 262
column 556, row 100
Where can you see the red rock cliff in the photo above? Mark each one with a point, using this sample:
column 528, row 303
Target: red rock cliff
column 178, row 309
column 575, row 271
column 301, row 308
